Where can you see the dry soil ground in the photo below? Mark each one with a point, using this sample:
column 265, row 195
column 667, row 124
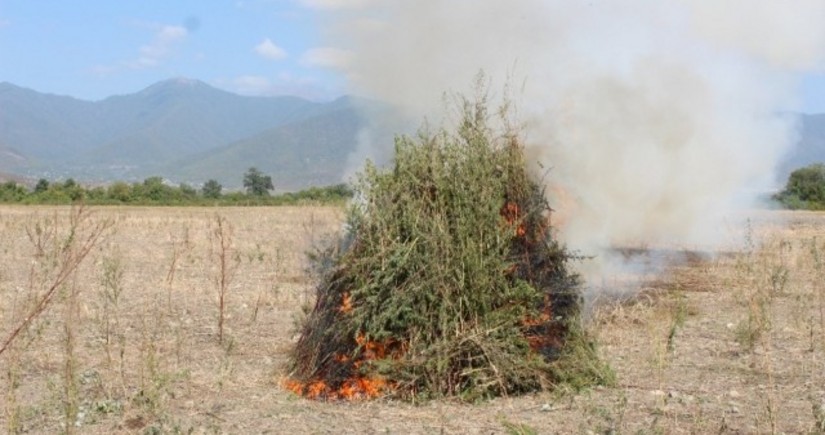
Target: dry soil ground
column 130, row 341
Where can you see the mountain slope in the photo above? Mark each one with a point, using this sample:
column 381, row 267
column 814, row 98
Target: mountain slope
column 296, row 155
column 178, row 117
column 42, row 126
column 809, row 149
column 133, row 135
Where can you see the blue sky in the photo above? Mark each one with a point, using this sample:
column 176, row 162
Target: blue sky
column 96, row 48
column 813, row 93
column 93, row 49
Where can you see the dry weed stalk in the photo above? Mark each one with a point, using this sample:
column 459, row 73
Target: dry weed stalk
column 227, row 266
column 71, row 399
column 819, row 286
column 69, row 252
column 170, row 275
column 180, row 246
column 112, row 288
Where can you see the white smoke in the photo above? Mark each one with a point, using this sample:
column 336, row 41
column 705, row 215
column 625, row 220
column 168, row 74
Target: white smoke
column 658, row 118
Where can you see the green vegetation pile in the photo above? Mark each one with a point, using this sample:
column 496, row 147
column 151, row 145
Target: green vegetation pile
column 448, row 280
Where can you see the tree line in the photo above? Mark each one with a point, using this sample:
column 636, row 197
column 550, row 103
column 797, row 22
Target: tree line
column 805, row 189
column 156, row 191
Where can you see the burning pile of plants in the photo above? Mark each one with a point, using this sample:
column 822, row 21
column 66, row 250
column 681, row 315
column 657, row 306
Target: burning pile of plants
column 448, row 282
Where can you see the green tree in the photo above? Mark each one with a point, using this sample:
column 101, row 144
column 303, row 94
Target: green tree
column 187, row 191
column 155, row 190
column 11, row 192
column 805, row 188
column 119, row 191
column 73, row 190
column 42, row 185
column 96, row 195
column 257, row 183
column 212, row 189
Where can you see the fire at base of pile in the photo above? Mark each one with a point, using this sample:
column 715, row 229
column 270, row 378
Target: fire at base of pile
column 448, row 282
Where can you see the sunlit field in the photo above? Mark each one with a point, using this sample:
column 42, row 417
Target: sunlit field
column 180, row 320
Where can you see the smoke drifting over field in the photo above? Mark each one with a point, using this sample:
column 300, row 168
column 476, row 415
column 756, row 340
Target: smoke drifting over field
column 658, row 119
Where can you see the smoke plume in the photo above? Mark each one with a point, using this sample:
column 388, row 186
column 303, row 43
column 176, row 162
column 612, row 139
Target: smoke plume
column 658, row 119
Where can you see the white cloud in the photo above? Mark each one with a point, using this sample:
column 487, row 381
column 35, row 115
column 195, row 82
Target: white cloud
column 269, row 50
column 326, row 57
column 161, row 47
column 336, row 4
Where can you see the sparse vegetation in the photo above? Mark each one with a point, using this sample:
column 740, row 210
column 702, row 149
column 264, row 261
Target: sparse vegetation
column 169, row 374
column 59, row 255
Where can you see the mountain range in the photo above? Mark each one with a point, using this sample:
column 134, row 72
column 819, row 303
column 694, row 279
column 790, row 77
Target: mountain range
column 187, row 131
column 181, row 129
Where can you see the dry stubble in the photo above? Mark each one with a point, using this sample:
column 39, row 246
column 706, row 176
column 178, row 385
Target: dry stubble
column 146, row 352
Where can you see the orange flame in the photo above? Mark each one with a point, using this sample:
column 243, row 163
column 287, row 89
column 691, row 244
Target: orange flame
column 539, row 331
column 511, row 214
column 346, row 304
column 357, row 386
column 293, row 385
column 315, row 389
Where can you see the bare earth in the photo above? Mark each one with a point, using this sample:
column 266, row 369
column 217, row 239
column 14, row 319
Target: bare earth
column 129, row 343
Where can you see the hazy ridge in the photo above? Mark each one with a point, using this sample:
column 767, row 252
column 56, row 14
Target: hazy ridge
column 187, row 131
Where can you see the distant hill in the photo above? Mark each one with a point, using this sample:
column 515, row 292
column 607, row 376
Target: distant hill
column 307, row 152
column 36, row 128
column 809, row 149
column 4, row 177
column 180, row 129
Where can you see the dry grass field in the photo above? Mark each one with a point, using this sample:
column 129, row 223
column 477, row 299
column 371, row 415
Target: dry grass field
column 178, row 320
